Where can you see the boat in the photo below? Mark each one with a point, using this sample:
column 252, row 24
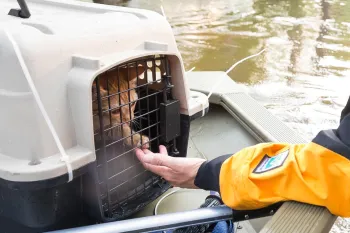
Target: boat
column 55, row 164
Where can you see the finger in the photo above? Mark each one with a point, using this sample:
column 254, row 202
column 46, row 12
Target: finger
column 146, row 151
column 158, row 159
column 139, row 153
column 159, row 170
column 154, row 159
column 146, row 156
column 163, row 150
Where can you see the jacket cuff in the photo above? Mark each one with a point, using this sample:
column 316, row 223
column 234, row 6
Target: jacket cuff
column 208, row 175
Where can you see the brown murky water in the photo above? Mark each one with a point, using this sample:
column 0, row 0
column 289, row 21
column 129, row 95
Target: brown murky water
column 304, row 75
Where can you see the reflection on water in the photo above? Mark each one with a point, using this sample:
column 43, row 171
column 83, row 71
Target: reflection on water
column 304, row 75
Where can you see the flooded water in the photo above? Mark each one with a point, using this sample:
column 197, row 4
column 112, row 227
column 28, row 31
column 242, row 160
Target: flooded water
column 303, row 77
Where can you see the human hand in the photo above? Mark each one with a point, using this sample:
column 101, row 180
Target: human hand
column 179, row 172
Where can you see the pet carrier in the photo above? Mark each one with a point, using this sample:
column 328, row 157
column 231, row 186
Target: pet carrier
column 82, row 86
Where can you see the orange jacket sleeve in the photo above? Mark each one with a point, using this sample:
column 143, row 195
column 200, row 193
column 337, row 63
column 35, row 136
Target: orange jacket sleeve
column 317, row 173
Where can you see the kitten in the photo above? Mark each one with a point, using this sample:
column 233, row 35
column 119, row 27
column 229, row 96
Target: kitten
column 123, row 114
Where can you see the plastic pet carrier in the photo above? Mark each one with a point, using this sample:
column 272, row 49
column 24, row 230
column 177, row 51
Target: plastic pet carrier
column 82, row 85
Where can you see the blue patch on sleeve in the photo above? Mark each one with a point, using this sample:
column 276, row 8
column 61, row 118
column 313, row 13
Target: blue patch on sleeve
column 269, row 163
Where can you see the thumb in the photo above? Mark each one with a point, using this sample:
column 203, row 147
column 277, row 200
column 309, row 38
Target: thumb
column 163, row 150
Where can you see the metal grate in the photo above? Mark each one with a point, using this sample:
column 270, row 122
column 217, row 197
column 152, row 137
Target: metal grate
column 122, row 123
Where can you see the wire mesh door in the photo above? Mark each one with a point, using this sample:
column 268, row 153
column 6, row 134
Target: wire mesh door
column 126, row 114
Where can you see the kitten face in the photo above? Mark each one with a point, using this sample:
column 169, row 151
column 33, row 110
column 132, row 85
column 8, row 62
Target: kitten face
column 118, row 108
column 117, row 104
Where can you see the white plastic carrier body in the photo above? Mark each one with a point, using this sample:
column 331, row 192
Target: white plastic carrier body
column 65, row 45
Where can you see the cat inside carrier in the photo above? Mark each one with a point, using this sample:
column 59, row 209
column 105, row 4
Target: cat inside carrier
column 80, row 96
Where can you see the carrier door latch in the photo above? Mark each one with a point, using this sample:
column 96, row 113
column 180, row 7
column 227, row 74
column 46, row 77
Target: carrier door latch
column 169, row 113
column 170, row 119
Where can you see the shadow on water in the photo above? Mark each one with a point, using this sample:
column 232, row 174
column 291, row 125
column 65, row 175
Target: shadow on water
column 302, row 77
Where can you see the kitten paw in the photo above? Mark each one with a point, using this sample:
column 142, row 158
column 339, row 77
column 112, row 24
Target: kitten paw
column 145, row 142
column 141, row 141
column 136, row 141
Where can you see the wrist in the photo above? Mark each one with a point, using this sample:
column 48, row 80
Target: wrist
column 194, row 171
column 208, row 175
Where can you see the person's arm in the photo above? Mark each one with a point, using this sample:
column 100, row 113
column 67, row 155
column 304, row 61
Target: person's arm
column 315, row 173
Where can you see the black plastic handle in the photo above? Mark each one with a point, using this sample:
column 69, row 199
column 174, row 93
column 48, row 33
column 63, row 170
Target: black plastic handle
column 23, row 12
